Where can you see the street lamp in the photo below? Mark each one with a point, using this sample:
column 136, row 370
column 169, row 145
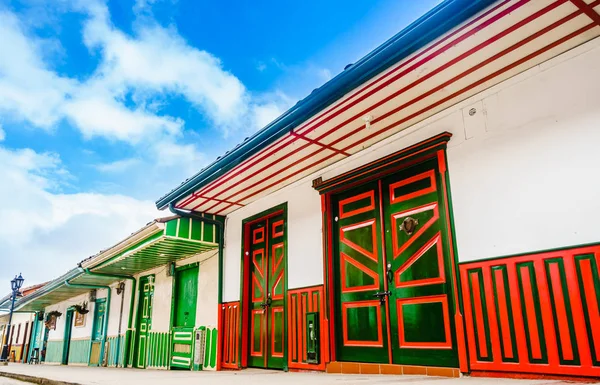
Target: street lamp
column 15, row 284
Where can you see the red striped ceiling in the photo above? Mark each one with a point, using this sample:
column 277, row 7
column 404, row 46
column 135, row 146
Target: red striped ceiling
column 506, row 39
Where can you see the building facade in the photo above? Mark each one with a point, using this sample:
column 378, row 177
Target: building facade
column 148, row 302
column 430, row 210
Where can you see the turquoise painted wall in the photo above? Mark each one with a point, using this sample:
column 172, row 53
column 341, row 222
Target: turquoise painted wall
column 114, row 343
column 79, row 351
column 54, row 351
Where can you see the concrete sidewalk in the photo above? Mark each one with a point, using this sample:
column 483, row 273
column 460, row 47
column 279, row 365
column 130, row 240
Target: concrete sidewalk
column 88, row 375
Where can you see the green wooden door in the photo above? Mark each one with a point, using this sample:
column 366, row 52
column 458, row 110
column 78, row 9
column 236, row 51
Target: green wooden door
column 144, row 320
column 67, row 338
column 267, row 283
column 418, row 251
column 186, row 292
column 361, row 318
column 413, row 273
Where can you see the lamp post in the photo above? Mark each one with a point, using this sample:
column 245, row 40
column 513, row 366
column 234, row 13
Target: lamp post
column 15, row 285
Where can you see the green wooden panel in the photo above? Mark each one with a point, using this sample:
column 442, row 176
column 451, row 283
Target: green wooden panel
column 98, row 325
column 79, row 351
column 421, row 301
column 184, row 228
column 159, row 350
column 171, row 228
column 54, row 351
column 357, row 257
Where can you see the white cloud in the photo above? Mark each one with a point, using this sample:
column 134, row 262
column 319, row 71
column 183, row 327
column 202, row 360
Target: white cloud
column 45, row 233
column 118, row 166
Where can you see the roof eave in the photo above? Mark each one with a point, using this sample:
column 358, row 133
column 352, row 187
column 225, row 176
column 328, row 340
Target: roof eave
column 435, row 23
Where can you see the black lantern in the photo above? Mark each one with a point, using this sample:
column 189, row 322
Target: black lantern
column 17, row 282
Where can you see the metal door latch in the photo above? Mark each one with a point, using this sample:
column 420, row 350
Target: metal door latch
column 382, row 295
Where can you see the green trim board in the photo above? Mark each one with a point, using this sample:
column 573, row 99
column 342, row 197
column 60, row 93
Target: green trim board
column 210, row 348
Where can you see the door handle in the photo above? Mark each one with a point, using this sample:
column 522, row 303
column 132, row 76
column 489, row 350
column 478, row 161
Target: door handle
column 382, row 295
column 389, row 274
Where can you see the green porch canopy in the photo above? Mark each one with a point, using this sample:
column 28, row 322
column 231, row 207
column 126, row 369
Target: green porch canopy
column 160, row 242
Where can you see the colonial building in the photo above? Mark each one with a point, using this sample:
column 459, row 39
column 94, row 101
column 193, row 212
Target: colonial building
column 429, row 210
column 148, row 301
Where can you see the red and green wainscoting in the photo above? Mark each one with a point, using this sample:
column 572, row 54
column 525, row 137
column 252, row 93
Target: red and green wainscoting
column 301, row 303
column 535, row 313
column 229, row 324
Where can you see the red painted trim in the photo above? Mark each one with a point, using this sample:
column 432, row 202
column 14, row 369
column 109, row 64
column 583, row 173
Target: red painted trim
column 344, row 258
column 443, row 299
column 383, row 81
column 220, row 336
column 441, row 278
column 253, row 313
column 588, row 10
column 325, row 146
column 229, row 329
column 276, row 233
column 382, row 237
column 503, row 314
column 424, row 110
column 258, row 235
column 350, row 305
column 591, row 303
column 532, row 321
column 404, row 182
column 416, row 210
column 561, row 312
column 372, row 255
column 261, row 268
column 347, row 214
column 277, row 282
column 478, row 306
column 276, row 263
column 256, row 283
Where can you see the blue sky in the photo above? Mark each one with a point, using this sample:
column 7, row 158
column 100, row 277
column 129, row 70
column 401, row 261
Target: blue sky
column 107, row 105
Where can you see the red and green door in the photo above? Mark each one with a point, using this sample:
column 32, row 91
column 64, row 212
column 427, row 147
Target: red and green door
column 393, row 271
column 266, row 254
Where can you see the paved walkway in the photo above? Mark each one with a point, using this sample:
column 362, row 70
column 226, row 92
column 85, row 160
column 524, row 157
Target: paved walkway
column 101, row 376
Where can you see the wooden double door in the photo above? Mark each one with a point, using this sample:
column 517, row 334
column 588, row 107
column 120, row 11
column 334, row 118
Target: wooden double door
column 267, row 260
column 393, row 271
column 144, row 320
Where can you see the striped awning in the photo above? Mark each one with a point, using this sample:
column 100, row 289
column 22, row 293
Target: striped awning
column 160, row 242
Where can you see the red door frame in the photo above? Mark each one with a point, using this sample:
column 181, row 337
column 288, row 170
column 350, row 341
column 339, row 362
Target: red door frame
column 434, row 147
column 245, row 280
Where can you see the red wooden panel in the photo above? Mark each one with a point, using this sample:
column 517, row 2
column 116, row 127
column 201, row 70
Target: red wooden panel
column 543, row 312
column 230, row 316
column 301, row 301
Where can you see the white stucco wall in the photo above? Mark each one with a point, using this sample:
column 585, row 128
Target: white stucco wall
column 85, row 331
column 522, row 171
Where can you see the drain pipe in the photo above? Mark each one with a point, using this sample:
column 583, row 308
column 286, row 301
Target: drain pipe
column 221, row 227
column 131, row 303
column 105, row 326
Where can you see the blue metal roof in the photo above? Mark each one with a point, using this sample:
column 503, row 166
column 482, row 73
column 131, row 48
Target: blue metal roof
column 435, row 23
